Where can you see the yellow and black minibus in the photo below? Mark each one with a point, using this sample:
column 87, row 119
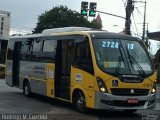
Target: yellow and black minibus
column 89, row 68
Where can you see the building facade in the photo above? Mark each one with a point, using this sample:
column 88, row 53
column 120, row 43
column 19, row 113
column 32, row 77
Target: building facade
column 4, row 24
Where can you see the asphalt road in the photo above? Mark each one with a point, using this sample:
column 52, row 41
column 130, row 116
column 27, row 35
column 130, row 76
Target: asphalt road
column 13, row 103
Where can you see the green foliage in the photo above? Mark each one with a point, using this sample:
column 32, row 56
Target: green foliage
column 61, row 16
column 95, row 24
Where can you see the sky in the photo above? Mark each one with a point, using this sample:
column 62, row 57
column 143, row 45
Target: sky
column 24, row 14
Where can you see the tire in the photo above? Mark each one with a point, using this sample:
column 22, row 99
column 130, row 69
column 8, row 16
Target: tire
column 27, row 89
column 80, row 102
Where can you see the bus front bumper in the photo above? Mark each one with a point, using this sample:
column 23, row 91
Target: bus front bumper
column 113, row 102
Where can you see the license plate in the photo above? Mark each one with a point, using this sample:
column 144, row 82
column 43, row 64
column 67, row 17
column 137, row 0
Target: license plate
column 132, row 101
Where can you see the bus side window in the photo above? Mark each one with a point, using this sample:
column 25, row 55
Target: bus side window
column 83, row 55
column 37, row 50
column 26, row 49
column 49, row 50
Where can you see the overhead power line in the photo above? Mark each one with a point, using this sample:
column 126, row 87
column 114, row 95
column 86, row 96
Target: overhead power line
column 139, row 12
column 135, row 24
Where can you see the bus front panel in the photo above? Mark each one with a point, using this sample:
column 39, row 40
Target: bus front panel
column 124, row 73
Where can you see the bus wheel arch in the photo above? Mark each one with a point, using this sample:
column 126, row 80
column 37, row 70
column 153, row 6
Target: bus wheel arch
column 79, row 100
column 26, row 88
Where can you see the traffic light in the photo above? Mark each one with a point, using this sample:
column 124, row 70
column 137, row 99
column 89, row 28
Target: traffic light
column 92, row 9
column 84, row 8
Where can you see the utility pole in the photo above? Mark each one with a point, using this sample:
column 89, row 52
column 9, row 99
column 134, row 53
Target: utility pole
column 129, row 10
column 147, row 39
column 144, row 23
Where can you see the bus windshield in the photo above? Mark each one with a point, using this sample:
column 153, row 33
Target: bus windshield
column 118, row 56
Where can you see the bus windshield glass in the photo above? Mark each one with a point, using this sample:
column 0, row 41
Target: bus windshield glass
column 117, row 56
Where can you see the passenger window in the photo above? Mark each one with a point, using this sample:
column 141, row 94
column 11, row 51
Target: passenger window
column 49, row 46
column 49, row 50
column 37, row 50
column 37, row 46
column 26, row 49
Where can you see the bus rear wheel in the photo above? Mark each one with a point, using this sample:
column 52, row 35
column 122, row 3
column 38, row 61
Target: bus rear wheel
column 80, row 102
column 27, row 89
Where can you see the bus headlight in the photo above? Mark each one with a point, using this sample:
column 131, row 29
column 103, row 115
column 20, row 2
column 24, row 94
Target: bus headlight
column 101, row 85
column 153, row 91
column 153, row 88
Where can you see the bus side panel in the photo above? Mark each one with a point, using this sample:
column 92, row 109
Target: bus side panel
column 86, row 82
column 39, row 83
column 9, row 80
column 36, row 72
column 50, row 80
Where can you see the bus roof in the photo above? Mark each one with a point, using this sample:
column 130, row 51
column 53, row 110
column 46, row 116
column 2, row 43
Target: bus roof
column 76, row 30
column 105, row 34
column 65, row 29
column 3, row 39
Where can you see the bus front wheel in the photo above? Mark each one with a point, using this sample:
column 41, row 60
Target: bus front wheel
column 27, row 89
column 80, row 102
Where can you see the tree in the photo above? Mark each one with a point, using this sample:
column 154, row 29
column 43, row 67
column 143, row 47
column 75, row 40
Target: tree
column 96, row 24
column 61, row 16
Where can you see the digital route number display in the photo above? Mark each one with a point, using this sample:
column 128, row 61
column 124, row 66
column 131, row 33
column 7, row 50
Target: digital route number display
column 108, row 44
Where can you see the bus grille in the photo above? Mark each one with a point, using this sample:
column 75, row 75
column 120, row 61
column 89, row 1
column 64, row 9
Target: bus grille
column 129, row 92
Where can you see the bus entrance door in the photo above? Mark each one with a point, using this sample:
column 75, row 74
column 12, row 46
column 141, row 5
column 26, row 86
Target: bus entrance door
column 63, row 68
column 16, row 63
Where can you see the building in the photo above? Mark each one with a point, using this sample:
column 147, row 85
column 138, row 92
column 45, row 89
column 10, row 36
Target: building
column 98, row 19
column 4, row 24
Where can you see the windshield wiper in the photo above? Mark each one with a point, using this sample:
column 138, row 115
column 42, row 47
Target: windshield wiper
column 132, row 60
column 120, row 59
